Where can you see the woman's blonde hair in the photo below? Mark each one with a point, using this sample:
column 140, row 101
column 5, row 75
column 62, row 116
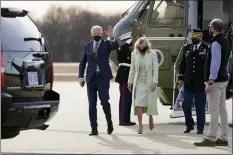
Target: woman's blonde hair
column 142, row 41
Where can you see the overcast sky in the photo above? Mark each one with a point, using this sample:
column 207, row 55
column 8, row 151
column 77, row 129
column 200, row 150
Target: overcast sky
column 38, row 8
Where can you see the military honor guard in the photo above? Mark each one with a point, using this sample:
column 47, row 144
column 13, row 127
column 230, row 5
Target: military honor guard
column 124, row 59
column 191, row 76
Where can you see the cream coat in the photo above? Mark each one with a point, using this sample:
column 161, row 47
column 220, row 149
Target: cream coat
column 152, row 77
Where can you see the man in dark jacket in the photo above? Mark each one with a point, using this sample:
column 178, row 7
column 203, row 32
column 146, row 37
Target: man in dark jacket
column 216, row 78
column 98, row 74
column 191, row 74
column 124, row 59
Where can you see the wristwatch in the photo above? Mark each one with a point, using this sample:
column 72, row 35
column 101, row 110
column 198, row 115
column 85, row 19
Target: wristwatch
column 210, row 83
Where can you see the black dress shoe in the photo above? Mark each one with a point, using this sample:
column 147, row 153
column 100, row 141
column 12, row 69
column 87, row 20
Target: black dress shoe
column 199, row 131
column 219, row 142
column 93, row 133
column 205, row 142
column 127, row 124
column 188, row 130
column 110, row 128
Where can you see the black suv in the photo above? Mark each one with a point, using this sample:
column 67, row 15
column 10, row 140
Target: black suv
column 27, row 98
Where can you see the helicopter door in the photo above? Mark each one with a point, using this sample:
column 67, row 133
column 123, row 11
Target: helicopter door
column 166, row 29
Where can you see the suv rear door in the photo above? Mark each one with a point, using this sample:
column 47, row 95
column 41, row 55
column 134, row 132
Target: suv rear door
column 26, row 56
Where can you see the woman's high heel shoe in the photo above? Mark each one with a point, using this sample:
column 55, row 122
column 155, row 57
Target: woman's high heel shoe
column 152, row 127
column 151, row 124
column 140, row 129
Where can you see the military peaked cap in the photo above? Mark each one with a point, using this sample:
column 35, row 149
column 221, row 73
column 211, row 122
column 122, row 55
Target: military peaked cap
column 196, row 32
column 125, row 36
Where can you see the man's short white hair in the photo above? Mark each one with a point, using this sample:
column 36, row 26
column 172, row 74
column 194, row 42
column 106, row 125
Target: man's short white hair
column 97, row 27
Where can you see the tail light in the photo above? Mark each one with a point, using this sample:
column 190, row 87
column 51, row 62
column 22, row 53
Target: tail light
column 52, row 73
column 2, row 71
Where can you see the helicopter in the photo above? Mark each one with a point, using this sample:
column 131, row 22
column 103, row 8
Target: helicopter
column 166, row 24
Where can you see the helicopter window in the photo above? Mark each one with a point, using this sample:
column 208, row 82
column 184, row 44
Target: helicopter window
column 143, row 14
column 138, row 5
column 129, row 10
column 168, row 13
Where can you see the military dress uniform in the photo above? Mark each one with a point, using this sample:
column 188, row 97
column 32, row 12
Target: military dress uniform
column 124, row 59
column 191, row 72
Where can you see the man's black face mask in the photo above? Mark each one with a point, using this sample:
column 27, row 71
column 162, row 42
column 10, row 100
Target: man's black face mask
column 210, row 32
column 130, row 44
column 195, row 41
column 125, row 46
column 96, row 38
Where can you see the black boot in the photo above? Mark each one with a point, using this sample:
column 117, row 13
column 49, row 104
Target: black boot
column 107, row 111
column 188, row 129
column 94, row 133
column 110, row 128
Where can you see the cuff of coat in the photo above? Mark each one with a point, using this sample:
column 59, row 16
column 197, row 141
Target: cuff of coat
column 113, row 39
column 80, row 77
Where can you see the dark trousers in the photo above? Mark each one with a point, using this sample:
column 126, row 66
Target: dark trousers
column 200, row 104
column 125, row 103
column 101, row 85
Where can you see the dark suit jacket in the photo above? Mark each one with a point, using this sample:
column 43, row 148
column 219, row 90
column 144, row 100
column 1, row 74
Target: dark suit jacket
column 192, row 67
column 105, row 47
column 123, row 56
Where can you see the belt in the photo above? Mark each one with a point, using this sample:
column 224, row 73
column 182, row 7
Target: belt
column 124, row 64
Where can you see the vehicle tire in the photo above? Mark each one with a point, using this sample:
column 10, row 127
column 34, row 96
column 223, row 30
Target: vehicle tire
column 9, row 132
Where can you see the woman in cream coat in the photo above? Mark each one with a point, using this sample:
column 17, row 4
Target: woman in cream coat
column 143, row 77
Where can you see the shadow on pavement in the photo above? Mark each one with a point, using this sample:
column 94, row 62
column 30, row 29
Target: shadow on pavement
column 162, row 133
column 119, row 144
column 169, row 135
column 115, row 143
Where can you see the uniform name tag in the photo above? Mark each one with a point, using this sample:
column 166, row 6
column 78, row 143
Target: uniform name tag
column 202, row 53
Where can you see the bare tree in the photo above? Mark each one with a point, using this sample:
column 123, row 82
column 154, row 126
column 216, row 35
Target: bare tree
column 67, row 30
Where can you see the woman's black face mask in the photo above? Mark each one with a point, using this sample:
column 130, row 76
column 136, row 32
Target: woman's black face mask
column 143, row 50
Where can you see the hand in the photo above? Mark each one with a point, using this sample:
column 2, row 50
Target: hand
column 207, row 88
column 211, row 81
column 81, row 82
column 180, row 83
column 208, row 85
column 153, row 87
column 109, row 32
column 130, row 87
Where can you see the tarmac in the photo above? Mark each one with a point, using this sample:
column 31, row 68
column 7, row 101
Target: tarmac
column 69, row 129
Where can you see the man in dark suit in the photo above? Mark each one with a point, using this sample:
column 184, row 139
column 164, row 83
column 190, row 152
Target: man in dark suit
column 191, row 73
column 124, row 59
column 98, row 74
